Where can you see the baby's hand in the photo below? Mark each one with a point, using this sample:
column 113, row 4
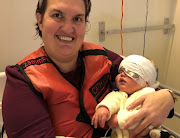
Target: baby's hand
column 113, row 121
column 100, row 117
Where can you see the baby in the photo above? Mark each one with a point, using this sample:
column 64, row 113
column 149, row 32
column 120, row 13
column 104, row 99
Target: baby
column 136, row 76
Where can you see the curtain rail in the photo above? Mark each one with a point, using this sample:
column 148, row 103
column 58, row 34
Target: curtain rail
column 167, row 87
column 139, row 29
column 175, row 113
column 165, row 27
column 171, row 131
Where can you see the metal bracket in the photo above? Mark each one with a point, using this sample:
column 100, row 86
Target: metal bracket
column 101, row 31
column 166, row 22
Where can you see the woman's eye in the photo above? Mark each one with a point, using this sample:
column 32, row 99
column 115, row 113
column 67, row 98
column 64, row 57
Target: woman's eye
column 77, row 19
column 57, row 15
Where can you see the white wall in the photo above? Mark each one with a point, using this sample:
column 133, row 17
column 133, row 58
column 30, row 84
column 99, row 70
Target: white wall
column 17, row 30
column 157, row 44
column 5, row 20
column 173, row 72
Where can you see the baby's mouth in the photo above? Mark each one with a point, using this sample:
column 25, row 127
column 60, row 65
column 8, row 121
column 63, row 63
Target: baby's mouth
column 122, row 80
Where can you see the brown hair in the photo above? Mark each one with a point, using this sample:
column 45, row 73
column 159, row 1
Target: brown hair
column 41, row 8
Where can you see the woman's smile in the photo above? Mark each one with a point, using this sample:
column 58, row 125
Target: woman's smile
column 65, row 38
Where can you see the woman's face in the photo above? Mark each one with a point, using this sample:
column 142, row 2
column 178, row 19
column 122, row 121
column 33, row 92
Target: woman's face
column 126, row 84
column 63, row 28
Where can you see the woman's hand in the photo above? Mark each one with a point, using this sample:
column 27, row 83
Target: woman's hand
column 155, row 109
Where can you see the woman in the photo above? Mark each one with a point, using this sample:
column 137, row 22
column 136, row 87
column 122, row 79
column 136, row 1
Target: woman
column 54, row 90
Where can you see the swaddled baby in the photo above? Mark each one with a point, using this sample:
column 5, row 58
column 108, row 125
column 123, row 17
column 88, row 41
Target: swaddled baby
column 136, row 77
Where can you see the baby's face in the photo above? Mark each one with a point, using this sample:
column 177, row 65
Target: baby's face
column 126, row 84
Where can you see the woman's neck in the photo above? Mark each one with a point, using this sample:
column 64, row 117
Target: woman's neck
column 66, row 66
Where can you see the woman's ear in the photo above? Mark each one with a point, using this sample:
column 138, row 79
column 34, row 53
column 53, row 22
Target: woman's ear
column 39, row 20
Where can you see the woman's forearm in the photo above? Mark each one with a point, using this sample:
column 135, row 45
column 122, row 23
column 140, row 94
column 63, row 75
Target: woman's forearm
column 24, row 112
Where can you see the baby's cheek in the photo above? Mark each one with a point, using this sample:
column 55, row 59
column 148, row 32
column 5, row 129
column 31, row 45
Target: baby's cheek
column 117, row 78
column 118, row 85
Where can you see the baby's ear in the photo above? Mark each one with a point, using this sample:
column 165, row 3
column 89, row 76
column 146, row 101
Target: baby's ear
column 147, row 85
column 155, row 85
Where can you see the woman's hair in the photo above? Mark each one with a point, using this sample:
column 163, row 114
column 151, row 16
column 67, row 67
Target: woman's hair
column 41, row 8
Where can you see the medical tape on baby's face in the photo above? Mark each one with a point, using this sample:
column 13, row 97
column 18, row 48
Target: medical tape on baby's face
column 141, row 66
column 134, row 76
column 129, row 73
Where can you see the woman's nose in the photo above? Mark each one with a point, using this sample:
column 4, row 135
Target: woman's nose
column 67, row 27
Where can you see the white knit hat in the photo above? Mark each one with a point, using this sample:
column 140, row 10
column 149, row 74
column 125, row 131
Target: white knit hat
column 141, row 66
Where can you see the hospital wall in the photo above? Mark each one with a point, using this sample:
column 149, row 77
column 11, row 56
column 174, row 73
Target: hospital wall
column 18, row 36
column 17, row 32
column 173, row 72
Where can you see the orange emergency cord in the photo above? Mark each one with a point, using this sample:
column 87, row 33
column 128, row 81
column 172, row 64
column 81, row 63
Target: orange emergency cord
column 121, row 29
